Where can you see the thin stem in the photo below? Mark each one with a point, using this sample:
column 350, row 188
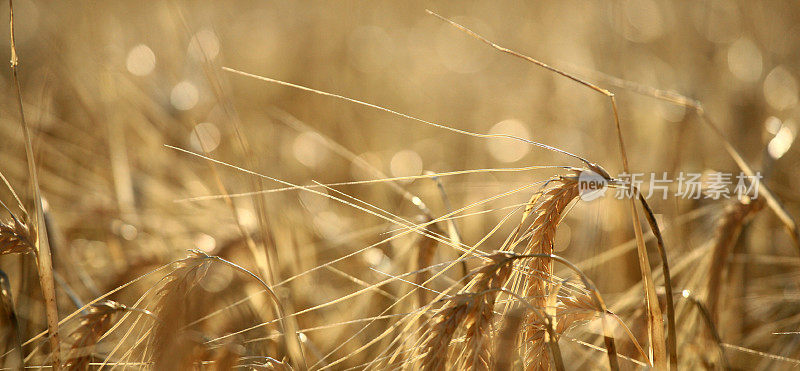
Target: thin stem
column 275, row 301
column 672, row 346
column 43, row 256
column 430, row 123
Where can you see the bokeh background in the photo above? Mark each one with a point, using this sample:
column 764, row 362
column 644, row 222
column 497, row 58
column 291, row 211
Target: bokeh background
column 106, row 85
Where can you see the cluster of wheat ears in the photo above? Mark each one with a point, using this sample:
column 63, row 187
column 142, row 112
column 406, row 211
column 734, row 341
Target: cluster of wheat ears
column 511, row 306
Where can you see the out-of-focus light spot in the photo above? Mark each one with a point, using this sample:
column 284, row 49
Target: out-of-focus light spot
column 141, row 60
column 205, row 243
column 308, row 149
column 781, row 143
column 645, row 23
column 247, row 217
column 406, row 163
column 184, row 96
column 563, row 237
column 374, row 257
column 686, row 293
column 773, row 125
column 780, row 89
column 744, row 60
column 303, row 338
column 461, row 54
column 370, row 49
column 218, row 278
column 416, row 200
column 128, row 232
column 509, row 150
column 204, row 44
column 205, row 137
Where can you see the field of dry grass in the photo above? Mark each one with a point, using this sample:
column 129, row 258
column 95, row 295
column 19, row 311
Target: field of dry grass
column 372, row 185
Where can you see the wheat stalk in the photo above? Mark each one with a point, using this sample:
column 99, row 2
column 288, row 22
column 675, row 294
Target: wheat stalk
column 169, row 339
column 472, row 309
column 489, row 279
column 546, row 209
column 726, row 234
column 448, row 320
column 93, row 325
column 40, row 242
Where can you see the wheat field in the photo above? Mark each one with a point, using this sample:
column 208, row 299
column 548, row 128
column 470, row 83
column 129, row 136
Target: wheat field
column 400, row 185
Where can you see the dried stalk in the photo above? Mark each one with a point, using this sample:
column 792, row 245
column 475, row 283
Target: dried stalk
column 43, row 256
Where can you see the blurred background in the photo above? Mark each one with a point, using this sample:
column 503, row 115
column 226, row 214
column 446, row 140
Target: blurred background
column 106, row 85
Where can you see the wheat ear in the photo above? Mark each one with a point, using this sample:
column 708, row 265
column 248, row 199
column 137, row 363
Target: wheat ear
column 727, row 232
column 473, row 309
column 15, row 238
column 546, row 209
column 93, row 325
column 168, row 344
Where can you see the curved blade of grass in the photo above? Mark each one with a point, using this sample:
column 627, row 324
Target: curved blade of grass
column 43, row 256
column 672, row 346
